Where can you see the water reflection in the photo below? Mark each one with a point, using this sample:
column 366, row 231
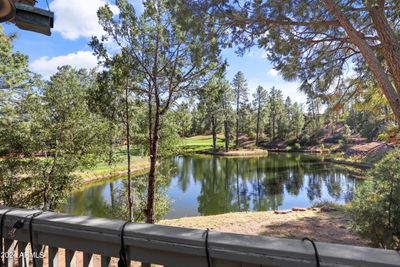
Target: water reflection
column 206, row 185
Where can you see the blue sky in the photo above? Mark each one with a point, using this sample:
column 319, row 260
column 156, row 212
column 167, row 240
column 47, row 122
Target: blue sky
column 76, row 22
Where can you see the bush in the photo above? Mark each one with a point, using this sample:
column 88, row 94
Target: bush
column 376, row 204
column 384, row 137
column 297, row 146
column 346, row 130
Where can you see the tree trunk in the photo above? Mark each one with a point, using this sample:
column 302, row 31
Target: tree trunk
column 371, row 59
column 153, row 167
column 214, row 132
column 237, row 120
column 128, row 151
column 273, row 127
column 226, row 130
column 258, row 124
column 390, row 44
column 111, row 151
column 150, row 116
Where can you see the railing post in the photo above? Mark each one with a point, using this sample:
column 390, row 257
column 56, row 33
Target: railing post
column 23, row 254
column 53, row 257
column 87, row 259
column 105, row 261
column 70, row 258
column 9, row 250
column 37, row 257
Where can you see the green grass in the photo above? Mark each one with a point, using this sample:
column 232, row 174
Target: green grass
column 201, row 140
column 199, row 143
column 103, row 169
column 332, row 205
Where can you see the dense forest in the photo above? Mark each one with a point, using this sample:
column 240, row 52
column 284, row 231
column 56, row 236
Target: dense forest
column 167, row 81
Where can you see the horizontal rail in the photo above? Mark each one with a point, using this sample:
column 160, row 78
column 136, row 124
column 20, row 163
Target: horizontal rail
column 175, row 247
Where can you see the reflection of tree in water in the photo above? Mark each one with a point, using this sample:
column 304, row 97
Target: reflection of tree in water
column 314, row 187
column 333, row 183
column 238, row 184
column 89, row 202
column 226, row 184
column 295, row 179
column 217, row 194
column 348, row 188
column 243, row 196
column 180, row 168
column 349, row 193
column 258, row 186
column 110, row 200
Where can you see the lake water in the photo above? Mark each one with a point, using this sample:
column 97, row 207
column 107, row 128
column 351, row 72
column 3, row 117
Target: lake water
column 208, row 185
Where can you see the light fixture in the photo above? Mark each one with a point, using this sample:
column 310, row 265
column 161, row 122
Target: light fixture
column 34, row 19
column 26, row 16
column 7, row 10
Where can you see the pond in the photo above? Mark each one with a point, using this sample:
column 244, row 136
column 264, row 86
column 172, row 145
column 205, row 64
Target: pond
column 209, row 185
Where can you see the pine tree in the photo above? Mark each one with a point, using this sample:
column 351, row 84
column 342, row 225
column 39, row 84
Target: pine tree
column 166, row 53
column 276, row 111
column 260, row 100
column 241, row 98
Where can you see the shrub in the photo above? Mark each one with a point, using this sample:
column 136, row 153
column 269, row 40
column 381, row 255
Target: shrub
column 346, row 130
column 297, row 146
column 376, row 204
column 384, row 137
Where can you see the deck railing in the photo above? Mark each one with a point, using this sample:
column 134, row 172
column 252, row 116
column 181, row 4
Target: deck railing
column 69, row 240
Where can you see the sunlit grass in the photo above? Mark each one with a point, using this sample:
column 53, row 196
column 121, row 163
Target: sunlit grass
column 201, row 140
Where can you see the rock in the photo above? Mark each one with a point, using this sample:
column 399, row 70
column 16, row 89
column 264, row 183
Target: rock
column 299, row 209
column 328, row 209
column 282, row 211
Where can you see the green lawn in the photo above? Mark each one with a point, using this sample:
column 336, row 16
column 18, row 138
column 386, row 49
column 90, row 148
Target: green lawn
column 199, row 142
column 102, row 169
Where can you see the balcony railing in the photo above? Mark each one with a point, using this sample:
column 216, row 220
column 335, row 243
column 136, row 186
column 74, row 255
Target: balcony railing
column 69, row 240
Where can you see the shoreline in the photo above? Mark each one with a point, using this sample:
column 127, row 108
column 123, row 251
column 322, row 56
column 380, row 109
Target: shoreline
column 302, row 151
column 237, row 153
column 100, row 178
column 364, row 166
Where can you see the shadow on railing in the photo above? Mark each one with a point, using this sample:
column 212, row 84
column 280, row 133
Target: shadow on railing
column 67, row 240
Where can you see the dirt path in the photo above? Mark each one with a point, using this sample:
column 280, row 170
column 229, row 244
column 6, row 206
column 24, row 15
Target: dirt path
column 332, row 227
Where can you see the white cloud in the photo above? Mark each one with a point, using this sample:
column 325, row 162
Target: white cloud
column 77, row 18
column 48, row 66
column 273, row 73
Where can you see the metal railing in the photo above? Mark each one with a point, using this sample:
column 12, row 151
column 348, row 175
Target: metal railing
column 68, row 240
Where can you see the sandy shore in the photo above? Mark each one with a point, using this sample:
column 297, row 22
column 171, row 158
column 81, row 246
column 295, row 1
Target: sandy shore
column 332, row 227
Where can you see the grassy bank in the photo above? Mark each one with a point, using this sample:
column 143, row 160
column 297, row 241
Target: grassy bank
column 240, row 153
column 199, row 143
column 104, row 170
